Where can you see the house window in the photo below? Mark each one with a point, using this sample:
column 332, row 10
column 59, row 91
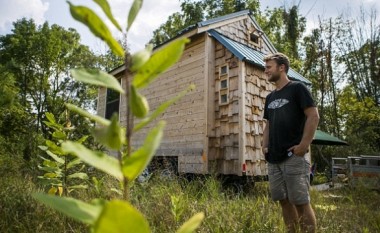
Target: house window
column 223, row 70
column 254, row 38
column 112, row 103
column 224, row 98
column 223, row 84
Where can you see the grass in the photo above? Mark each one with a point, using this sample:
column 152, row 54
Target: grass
column 168, row 202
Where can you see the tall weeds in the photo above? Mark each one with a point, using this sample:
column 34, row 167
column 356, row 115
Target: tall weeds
column 168, row 202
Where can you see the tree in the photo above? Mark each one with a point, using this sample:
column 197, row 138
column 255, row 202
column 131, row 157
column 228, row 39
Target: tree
column 284, row 27
column 359, row 46
column 342, row 61
column 193, row 12
column 321, row 60
column 39, row 58
column 360, row 52
column 362, row 122
column 13, row 117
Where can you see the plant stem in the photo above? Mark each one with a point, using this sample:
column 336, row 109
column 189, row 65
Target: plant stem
column 66, row 126
column 128, row 80
column 64, row 185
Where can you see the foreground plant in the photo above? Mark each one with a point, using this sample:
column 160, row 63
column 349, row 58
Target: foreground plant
column 63, row 172
column 141, row 69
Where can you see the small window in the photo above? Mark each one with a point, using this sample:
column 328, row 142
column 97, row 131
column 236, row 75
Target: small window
column 112, row 103
column 223, row 84
column 254, row 38
column 223, row 70
column 223, row 98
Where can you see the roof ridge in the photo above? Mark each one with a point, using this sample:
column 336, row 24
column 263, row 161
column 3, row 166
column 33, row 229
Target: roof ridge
column 224, row 17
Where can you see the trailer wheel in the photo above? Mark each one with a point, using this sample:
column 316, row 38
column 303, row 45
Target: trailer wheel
column 238, row 188
column 249, row 185
column 232, row 189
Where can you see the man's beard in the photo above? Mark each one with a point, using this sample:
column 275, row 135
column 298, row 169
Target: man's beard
column 274, row 77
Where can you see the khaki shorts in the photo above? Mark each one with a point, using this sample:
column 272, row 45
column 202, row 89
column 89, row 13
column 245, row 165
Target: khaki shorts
column 290, row 180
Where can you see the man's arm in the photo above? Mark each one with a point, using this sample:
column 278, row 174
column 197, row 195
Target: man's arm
column 311, row 124
column 265, row 138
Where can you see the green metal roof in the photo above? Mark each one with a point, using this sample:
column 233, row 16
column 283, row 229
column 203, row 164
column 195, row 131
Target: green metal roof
column 250, row 55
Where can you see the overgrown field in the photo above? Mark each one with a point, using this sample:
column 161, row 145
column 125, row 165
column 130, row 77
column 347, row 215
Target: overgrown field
column 168, row 202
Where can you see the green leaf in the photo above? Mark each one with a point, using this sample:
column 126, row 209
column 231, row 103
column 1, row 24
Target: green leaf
column 79, row 186
column 50, row 117
column 52, row 190
column 44, row 148
column 49, row 163
column 161, row 109
column 51, row 175
column 78, row 175
column 59, row 135
column 96, row 77
column 82, row 139
column 159, row 62
column 73, row 163
column 49, row 181
column 119, row 216
column 112, row 136
column 99, row 160
column 107, row 10
column 50, row 169
column 133, row 165
column 97, row 26
column 117, row 191
column 54, row 148
column 73, row 208
column 98, row 202
column 84, row 113
column 135, row 8
column 55, row 157
column 138, row 103
column 140, row 58
column 192, row 224
column 53, row 125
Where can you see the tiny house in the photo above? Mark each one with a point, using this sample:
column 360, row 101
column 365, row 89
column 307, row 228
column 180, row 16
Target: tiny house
column 218, row 127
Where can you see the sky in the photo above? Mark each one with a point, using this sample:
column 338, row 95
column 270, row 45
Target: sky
column 151, row 16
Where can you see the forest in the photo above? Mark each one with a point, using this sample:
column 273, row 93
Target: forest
column 341, row 57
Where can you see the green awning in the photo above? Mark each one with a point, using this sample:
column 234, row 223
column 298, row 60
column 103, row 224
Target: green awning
column 322, row 138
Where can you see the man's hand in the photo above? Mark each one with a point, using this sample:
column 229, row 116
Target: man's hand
column 299, row 150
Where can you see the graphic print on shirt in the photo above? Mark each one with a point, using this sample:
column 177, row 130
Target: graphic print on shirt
column 278, row 103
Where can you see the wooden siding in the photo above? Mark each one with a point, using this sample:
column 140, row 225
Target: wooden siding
column 224, row 145
column 239, row 123
column 240, row 32
column 185, row 129
column 101, row 102
column 257, row 88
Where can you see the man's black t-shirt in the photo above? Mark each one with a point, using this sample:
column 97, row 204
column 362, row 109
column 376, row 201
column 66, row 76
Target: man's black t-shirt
column 284, row 111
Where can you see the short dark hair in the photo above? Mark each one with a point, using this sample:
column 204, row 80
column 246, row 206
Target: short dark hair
column 280, row 59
